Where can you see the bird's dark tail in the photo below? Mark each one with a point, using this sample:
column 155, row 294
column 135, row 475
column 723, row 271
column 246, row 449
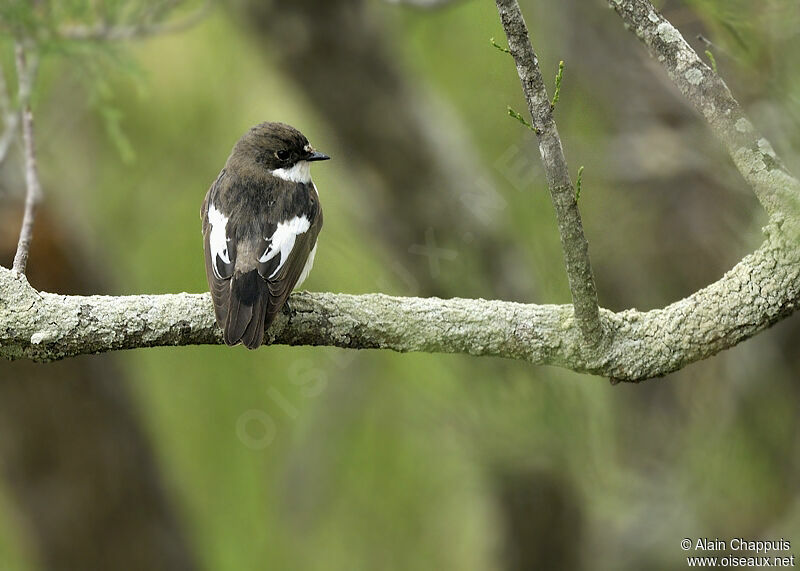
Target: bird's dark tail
column 246, row 310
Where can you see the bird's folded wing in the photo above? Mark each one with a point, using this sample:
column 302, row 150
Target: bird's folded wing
column 286, row 256
column 220, row 255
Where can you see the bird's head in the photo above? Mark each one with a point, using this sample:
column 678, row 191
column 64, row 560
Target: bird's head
column 277, row 148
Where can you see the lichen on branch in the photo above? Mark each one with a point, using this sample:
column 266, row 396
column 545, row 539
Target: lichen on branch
column 762, row 289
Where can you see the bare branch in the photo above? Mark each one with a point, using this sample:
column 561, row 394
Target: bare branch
column 562, row 192
column 110, row 32
column 26, row 73
column 776, row 189
column 762, row 289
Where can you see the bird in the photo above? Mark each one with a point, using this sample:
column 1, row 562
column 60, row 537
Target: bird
column 260, row 220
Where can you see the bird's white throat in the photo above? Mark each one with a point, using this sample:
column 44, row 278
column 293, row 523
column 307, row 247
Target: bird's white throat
column 300, row 172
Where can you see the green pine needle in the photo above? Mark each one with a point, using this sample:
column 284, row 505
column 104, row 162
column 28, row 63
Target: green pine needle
column 712, row 59
column 559, row 77
column 518, row 116
column 499, row 47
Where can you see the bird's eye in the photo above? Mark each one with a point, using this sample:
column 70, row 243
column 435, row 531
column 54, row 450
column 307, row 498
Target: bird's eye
column 282, row 154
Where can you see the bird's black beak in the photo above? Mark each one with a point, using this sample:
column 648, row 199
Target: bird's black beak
column 316, row 156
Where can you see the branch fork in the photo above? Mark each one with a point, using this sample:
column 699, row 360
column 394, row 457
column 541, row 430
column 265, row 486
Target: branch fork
column 562, row 191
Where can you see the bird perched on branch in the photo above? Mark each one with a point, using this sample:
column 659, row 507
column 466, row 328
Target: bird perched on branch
column 261, row 219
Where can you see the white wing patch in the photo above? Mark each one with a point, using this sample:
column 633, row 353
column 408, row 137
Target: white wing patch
column 300, row 172
column 307, row 267
column 282, row 241
column 217, row 239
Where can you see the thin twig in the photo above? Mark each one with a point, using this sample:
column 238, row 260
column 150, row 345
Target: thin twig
column 25, row 78
column 776, row 188
column 562, row 192
column 110, row 32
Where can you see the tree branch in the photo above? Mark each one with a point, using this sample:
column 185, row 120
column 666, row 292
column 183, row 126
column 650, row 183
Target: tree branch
column 776, row 189
column 562, row 192
column 759, row 291
column 25, row 76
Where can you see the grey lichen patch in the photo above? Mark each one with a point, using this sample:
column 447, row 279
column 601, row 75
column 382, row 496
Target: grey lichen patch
column 694, row 76
column 668, row 33
column 750, row 161
column 742, row 125
column 766, row 147
column 653, row 17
